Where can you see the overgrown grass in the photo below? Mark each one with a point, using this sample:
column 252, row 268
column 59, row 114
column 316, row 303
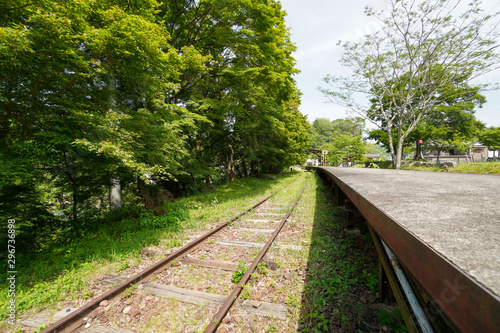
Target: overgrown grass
column 62, row 269
column 341, row 271
column 476, row 167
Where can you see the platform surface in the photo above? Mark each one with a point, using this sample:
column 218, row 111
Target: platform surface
column 455, row 214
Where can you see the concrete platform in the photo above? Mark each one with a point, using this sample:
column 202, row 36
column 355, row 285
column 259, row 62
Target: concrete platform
column 444, row 227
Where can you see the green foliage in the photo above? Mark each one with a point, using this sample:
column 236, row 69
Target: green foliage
column 262, row 269
column 449, row 123
column 344, row 146
column 341, row 137
column 323, row 130
column 241, row 269
column 490, row 137
column 176, row 213
column 477, row 168
column 87, row 294
column 128, row 292
column 371, row 279
column 245, row 292
column 372, row 148
column 272, row 328
column 97, row 75
column 40, row 328
column 247, row 95
column 321, row 322
column 165, row 98
column 123, row 266
column 396, row 325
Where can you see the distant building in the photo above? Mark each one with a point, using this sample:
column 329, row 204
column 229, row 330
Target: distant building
column 477, row 153
column 312, row 162
column 372, row 156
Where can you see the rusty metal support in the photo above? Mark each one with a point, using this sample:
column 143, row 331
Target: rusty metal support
column 398, row 294
column 410, row 295
column 228, row 303
column 72, row 321
column 349, row 206
column 350, row 210
column 341, row 197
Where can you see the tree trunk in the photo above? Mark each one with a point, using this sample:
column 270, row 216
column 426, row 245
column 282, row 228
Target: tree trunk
column 391, row 146
column 244, row 167
column 254, row 168
column 238, row 170
column 75, row 201
column 115, row 194
column 399, row 155
column 144, row 194
column 207, row 183
column 230, row 171
column 418, row 153
column 75, row 196
column 74, row 186
column 230, row 164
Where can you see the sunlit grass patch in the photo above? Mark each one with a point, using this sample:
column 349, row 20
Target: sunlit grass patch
column 476, row 167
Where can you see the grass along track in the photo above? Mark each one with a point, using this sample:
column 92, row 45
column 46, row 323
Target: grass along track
column 327, row 285
column 116, row 313
column 64, row 272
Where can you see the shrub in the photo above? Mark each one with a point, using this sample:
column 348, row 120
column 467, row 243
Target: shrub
column 176, row 212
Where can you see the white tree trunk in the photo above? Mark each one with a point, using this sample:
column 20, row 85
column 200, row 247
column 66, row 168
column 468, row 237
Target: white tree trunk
column 115, row 195
column 399, row 153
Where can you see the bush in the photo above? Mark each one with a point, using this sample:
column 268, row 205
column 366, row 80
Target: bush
column 379, row 164
column 176, row 212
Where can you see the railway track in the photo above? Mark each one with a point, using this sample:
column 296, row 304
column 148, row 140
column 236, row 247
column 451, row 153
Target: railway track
column 211, row 270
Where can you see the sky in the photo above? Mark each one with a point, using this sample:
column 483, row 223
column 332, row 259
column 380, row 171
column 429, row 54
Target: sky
column 317, row 25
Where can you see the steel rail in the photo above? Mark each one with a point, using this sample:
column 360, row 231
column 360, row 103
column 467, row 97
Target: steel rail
column 71, row 321
column 228, row 303
column 469, row 305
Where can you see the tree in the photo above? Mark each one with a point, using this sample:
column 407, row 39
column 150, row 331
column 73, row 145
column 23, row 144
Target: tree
column 247, row 92
column 345, row 146
column 341, row 137
column 323, row 130
column 449, row 124
column 83, row 98
column 352, row 126
column 491, row 138
column 164, row 96
column 422, row 47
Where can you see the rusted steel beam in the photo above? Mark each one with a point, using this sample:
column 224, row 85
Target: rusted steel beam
column 224, row 309
column 73, row 320
column 398, row 294
column 470, row 306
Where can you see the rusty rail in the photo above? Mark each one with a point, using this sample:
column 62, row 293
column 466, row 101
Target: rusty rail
column 228, row 303
column 72, row 321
